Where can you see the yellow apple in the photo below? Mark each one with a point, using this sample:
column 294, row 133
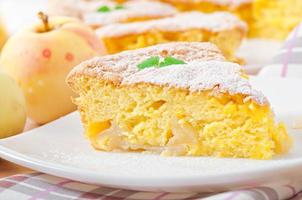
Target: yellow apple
column 12, row 107
column 39, row 58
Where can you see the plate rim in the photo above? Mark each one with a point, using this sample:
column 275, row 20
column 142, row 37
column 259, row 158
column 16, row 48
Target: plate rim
column 117, row 181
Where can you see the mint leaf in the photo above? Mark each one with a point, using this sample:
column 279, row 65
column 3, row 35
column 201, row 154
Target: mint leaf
column 171, row 61
column 104, row 9
column 119, row 7
column 150, row 62
column 155, row 62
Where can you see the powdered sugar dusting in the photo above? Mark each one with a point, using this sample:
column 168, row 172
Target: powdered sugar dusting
column 132, row 9
column 198, row 76
column 214, row 22
column 87, row 10
column 206, row 69
column 113, row 67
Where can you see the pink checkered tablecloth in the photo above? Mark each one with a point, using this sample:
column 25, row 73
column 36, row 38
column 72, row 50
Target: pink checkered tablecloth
column 37, row 186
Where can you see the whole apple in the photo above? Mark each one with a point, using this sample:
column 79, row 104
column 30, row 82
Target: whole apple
column 39, row 58
column 12, row 107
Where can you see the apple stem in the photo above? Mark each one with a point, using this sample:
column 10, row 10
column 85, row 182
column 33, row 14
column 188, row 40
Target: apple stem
column 44, row 19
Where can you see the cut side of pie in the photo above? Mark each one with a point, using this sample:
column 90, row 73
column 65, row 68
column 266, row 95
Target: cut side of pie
column 221, row 28
column 178, row 99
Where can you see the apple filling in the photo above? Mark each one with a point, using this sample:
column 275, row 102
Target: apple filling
column 113, row 138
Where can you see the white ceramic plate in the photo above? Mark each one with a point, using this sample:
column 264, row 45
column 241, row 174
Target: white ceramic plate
column 60, row 148
column 257, row 53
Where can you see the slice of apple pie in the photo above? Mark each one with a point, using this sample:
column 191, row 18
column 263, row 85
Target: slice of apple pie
column 98, row 13
column 221, row 28
column 178, row 99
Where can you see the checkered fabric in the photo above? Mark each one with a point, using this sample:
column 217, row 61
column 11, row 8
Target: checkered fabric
column 36, row 186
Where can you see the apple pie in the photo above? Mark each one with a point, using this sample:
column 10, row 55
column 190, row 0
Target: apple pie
column 221, row 28
column 275, row 19
column 98, row 13
column 242, row 8
column 177, row 99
